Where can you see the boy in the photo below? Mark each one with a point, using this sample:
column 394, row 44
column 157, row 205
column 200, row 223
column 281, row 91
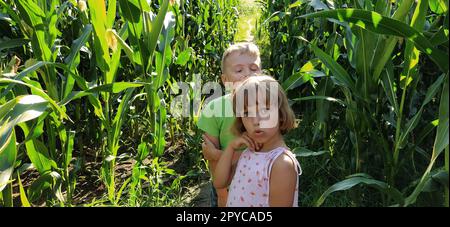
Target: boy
column 239, row 61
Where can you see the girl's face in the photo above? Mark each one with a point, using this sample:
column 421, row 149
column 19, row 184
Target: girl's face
column 240, row 66
column 261, row 123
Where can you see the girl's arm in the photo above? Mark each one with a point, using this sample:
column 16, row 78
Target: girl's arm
column 223, row 169
column 283, row 179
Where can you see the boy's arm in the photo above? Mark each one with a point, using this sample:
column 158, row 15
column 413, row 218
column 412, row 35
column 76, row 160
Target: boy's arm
column 211, row 151
column 210, row 147
column 207, row 122
column 283, row 179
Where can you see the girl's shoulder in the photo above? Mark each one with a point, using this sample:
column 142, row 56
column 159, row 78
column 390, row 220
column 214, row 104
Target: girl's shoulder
column 285, row 160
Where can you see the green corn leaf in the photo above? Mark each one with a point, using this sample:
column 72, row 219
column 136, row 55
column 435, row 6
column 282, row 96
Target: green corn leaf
column 6, row 108
column 382, row 7
column 97, row 10
column 128, row 51
column 388, row 85
column 40, row 93
column 296, row 4
column 383, row 53
column 440, row 37
column 111, row 15
column 305, row 74
column 165, row 49
column 23, row 195
column 438, row 6
column 34, row 17
column 337, row 70
column 318, row 5
column 318, row 97
column 120, row 117
column 112, row 88
column 155, row 30
column 143, row 151
column 50, row 23
column 46, row 181
column 184, row 57
column 160, row 142
column 68, row 148
column 131, row 10
column 13, row 14
column 440, row 143
column 12, row 43
column 25, row 72
column 303, row 152
column 8, row 153
column 73, row 59
column 16, row 111
column 411, row 54
column 377, row 23
column 295, row 80
column 36, row 129
column 38, row 153
column 357, row 179
column 426, row 131
column 24, row 108
column 432, row 90
column 364, row 51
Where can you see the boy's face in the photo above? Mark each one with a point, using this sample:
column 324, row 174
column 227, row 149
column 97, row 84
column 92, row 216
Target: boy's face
column 240, row 66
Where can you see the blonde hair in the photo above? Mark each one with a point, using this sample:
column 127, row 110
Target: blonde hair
column 286, row 115
column 242, row 48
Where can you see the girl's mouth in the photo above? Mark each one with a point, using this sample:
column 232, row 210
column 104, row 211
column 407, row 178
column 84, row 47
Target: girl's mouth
column 258, row 132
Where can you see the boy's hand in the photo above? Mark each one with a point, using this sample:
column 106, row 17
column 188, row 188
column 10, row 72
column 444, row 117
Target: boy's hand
column 210, row 152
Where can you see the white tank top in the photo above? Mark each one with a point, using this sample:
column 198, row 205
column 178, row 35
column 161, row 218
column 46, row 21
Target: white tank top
column 250, row 184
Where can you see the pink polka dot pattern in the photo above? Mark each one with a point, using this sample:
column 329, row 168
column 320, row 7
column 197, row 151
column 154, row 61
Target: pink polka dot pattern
column 250, row 184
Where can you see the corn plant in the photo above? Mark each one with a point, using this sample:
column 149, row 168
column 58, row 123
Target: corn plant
column 86, row 69
column 43, row 159
column 358, row 45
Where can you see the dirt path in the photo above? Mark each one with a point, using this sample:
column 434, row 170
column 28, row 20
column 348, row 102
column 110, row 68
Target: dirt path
column 199, row 195
column 249, row 11
column 250, row 37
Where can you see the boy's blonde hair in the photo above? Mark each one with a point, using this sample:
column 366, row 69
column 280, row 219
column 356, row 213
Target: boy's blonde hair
column 242, row 48
column 286, row 115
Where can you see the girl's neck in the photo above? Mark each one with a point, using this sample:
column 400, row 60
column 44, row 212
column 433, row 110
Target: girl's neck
column 274, row 142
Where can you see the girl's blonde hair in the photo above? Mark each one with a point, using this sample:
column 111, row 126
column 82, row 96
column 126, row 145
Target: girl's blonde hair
column 286, row 115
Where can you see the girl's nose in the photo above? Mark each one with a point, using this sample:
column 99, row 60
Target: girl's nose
column 256, row 119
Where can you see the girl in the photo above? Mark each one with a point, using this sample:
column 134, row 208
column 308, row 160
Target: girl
column 267, row 171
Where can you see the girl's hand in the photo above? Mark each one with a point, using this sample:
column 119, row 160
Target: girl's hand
column 245, row 140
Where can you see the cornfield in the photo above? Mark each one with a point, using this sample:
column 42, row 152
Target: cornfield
column 86, row 89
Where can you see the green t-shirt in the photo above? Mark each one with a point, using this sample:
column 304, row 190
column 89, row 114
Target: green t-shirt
column 216, row 119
